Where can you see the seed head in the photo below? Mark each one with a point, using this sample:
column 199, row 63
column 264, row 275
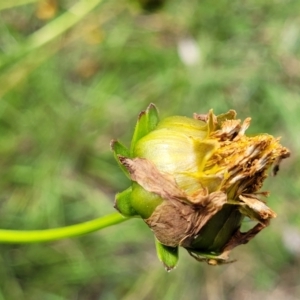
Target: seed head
column 194, row 180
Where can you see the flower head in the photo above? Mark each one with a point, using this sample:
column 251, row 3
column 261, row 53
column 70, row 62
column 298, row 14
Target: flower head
column 194, row 180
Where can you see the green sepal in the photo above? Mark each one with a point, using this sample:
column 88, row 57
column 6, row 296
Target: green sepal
column 167, row 255
column 120, row 149
column 153, row 117
column 144, row 202
column 147, row 121
column 205, row 255
column 123, row 203
column 216, row 233
column 211, row 258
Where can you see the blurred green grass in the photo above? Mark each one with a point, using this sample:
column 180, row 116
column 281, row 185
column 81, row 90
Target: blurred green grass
column 62, row 103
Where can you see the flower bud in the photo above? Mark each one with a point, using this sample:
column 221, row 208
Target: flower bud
column 194, row 180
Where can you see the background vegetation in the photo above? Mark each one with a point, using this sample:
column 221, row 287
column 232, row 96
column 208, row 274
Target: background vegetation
column 70, row 82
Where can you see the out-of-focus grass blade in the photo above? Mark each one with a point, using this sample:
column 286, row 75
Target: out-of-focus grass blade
column 20, row 70
column 20, row 66
column 10, row 4
column 52, row 30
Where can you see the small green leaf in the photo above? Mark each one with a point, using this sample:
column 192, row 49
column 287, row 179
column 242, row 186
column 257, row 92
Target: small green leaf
column 120, row 149
column 123, row 203
column 153, row 117
column 218, row 230
column 167, row 255
column 147, row 121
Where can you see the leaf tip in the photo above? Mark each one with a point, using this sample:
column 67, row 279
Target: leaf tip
column 151, row 106
column 112, row 144
column 169, row 268
column 141, row 114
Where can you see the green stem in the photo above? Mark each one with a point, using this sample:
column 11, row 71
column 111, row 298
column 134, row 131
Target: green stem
column 46, row 235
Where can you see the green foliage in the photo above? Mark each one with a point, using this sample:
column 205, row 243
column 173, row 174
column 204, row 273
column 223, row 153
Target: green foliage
column 167, row 255
column 147, row 121
column 119, row 149
column 63, row 101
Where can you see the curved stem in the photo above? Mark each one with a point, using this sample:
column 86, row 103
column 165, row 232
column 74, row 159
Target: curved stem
column 46, row 235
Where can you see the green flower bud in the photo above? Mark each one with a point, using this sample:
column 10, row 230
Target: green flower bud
column 194, row 180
